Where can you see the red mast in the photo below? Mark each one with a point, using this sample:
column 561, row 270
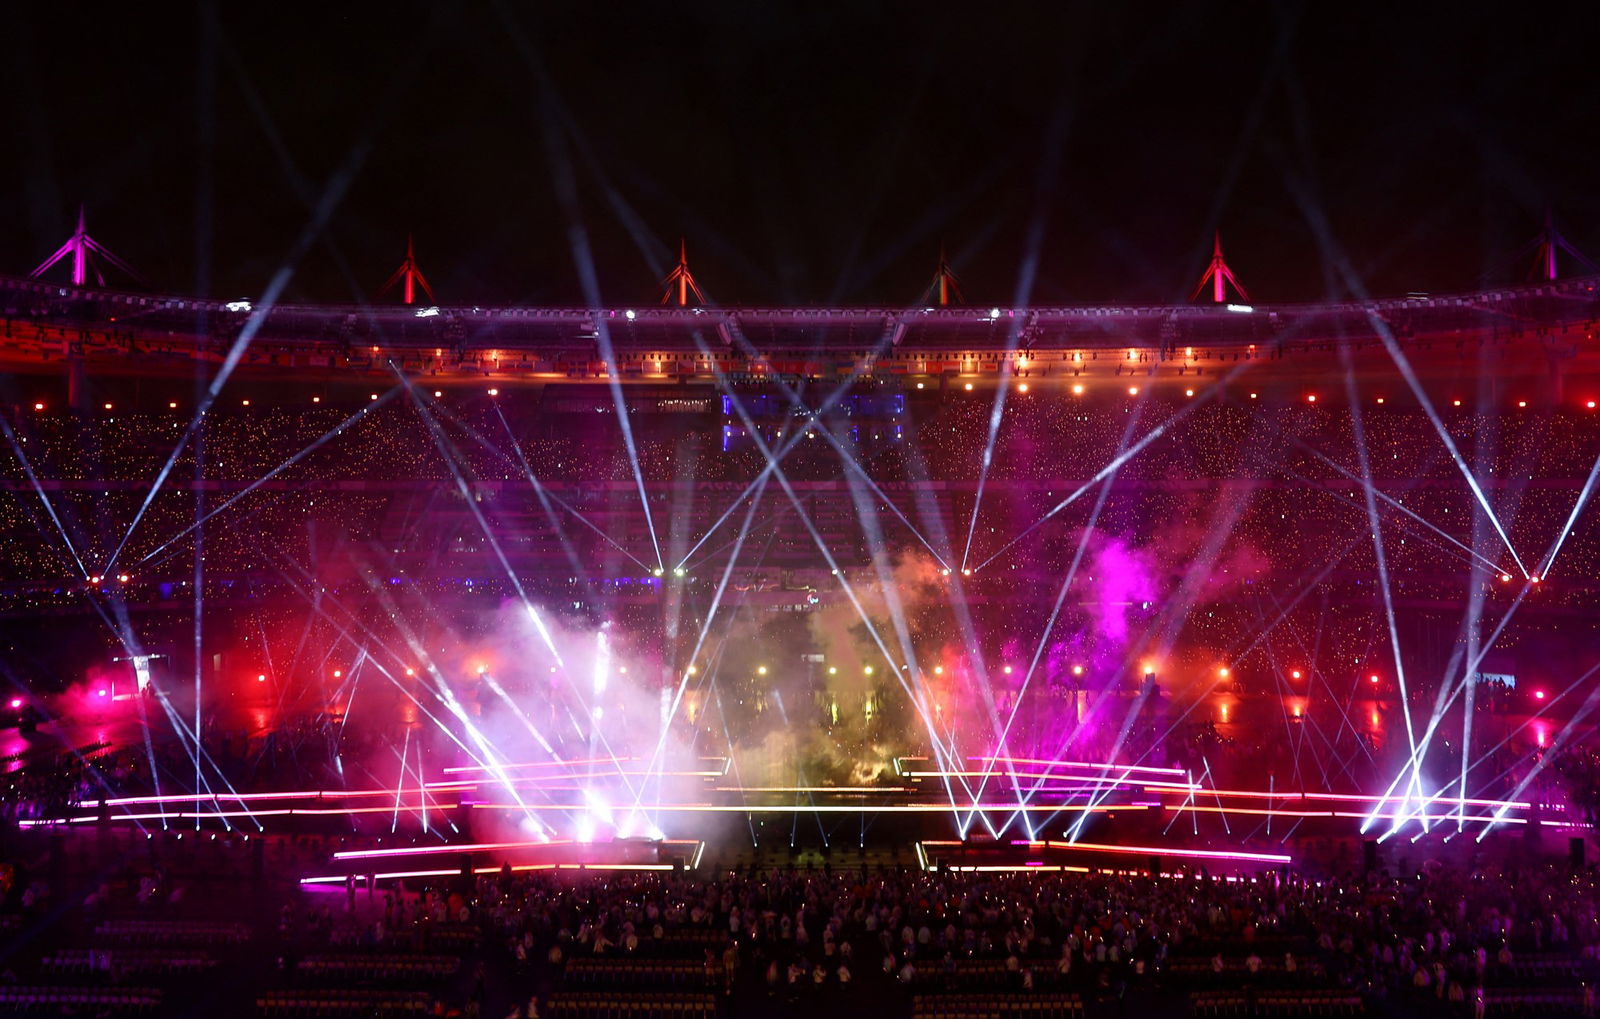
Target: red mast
column 680, row 282
column 1220, row 276
column 410, row 274
column 945, row 284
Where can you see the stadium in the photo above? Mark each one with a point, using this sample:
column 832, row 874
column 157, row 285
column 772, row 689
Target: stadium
column 1219, row 587
column 673, row 592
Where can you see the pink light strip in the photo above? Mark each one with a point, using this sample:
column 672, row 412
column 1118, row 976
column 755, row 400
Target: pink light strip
column 1076, row 764
column 328, row 879
column 1106, row 781
column 835, row 808
column 1207, row 854
column 469, row 768
column 473, row 847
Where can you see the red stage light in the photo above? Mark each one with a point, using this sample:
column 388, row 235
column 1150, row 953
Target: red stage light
column 262, row 678
column 1311, row 398
column 1374, row 679
column 101, row 693
column 1538, row 695
column 1590, row 405
column 16, row 702
column 40, row 406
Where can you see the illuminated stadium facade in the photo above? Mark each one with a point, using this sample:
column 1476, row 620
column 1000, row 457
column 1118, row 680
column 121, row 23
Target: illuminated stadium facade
column 1232, row 569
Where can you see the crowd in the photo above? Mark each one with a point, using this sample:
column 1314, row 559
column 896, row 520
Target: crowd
column 1435, row 935
column 1291, row 470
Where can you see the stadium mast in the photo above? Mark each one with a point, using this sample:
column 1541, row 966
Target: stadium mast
column 944, row 285
column 1550, row 243
column 680, row 282
column 1220, row 276
column 83, row 250
column 410, row 274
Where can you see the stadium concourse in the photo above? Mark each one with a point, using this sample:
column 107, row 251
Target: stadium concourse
column 944, row 661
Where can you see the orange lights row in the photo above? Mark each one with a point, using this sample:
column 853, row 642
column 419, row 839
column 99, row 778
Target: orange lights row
column 1077, row 391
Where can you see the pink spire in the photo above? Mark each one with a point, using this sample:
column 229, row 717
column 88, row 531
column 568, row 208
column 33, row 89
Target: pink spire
column 1219, row 276
column 82, row 248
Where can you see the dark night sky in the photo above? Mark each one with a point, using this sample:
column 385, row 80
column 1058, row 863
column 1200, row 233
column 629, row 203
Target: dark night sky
column 812, row 153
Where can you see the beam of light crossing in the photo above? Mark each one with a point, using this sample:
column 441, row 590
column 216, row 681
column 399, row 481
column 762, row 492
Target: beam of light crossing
column 316, row 444
column 332, row 195
column 49, row 508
